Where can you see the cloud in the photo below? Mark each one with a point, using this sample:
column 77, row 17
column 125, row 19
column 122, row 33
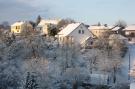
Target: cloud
column 80, row 10
column 13, row 10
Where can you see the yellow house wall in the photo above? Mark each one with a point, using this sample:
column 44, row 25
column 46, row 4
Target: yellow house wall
column 19, row 28
column 16, row 29
column 99, row 32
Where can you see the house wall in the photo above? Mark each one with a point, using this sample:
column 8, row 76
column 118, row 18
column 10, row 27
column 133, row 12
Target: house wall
column 16, row 29
column 99, row 32
column 82, row 36
column 19, row 28
column 45, row 29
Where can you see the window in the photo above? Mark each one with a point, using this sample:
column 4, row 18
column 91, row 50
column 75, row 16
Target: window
column 18, row 27
column 79, row 31
column 82, row 31
column 17, row 30
column 40, row 28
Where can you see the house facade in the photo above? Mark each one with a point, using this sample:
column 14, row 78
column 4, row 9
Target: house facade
column 18, row 27
column 76, row 33
column 99, row 31
column 43, row 26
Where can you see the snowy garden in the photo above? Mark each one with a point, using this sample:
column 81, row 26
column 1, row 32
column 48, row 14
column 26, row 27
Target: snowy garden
column 36, row 62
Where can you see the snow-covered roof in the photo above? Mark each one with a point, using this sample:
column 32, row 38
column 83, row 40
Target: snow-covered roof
column 45, row 21
column 68, row 29
column 130, row 27
column 113, row 28
column 116, row 28
column 18, row 23
column 98, row 27
column 118, row 36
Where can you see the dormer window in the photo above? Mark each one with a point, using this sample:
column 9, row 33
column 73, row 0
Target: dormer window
column 81, row 31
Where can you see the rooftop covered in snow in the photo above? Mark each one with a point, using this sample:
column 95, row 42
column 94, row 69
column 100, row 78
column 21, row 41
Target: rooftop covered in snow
column 102, row 27
column 68, row 29
column 130, row 27
column 18, row 23
column 49, row 21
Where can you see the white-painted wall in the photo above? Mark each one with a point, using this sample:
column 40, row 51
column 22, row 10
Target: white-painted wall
column 79, row 38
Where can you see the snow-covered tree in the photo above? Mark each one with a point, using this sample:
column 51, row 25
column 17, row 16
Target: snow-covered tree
column 31, row 82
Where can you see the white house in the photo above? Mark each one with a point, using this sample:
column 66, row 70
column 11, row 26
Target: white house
column 44, row 23
column 77, row 33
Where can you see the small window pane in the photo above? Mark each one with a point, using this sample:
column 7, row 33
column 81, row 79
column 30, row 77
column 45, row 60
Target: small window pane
column 79, row 31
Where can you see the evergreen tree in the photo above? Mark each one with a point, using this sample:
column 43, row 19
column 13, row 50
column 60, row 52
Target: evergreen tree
column 38, row 20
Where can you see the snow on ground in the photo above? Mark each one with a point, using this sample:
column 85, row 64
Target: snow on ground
column 132, row 86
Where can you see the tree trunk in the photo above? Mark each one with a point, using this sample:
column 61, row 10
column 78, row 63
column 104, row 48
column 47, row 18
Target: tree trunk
column 114, row 75
column 75, row 85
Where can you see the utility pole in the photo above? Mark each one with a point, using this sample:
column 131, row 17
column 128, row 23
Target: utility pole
column 129, row 64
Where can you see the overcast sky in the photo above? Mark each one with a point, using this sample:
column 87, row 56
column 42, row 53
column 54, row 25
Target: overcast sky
column 88, row 11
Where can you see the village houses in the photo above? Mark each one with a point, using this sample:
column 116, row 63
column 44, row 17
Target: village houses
column 20, row 26
column 77, row 33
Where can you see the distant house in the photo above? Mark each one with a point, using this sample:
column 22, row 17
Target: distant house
column 19, row 27
column 77, row 33
column 43, row 25
column 102, row 30
column 130, row 31
column 99, row 31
